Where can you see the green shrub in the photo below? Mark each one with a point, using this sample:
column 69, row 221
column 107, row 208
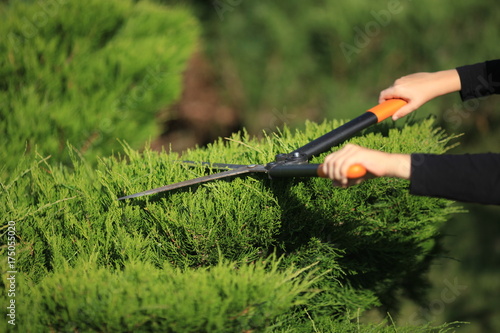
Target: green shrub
column 142, row 298
column 87, row 73
column 228, row 297
column 368, row 242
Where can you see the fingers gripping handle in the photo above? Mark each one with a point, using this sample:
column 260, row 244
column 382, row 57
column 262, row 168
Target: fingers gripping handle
column 354, row 171
column 311, row 170
column 387, row 109
column 382, row 111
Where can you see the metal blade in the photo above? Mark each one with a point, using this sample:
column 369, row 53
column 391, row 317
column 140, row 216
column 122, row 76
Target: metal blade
column 229, row 173
column 222, row 166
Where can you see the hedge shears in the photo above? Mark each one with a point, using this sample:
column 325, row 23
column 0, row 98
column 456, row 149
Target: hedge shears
column 295, row 163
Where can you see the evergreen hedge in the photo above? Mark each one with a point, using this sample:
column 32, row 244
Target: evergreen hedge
column 88, row 262
column 87, row 72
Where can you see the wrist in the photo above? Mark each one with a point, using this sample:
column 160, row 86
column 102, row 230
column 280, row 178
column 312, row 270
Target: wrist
column 399, row 166
column 446, row 82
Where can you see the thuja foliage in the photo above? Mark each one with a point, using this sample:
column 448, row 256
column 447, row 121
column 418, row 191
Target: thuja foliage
column 223, row 298
column 142, row 297
column 88, row 262
column 87, row 72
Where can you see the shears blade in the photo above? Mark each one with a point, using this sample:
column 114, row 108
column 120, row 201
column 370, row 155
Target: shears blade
column 235, row 172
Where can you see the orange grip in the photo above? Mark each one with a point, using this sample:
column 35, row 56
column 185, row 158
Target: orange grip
column 354, row 171
column 388, row 108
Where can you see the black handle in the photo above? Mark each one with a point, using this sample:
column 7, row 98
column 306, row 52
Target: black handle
column 344, row 132
column 294, row 170
column 337, row 136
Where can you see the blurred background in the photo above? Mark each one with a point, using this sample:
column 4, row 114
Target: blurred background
column 263, row 64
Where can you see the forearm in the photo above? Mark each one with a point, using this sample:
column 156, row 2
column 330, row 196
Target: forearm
column 398, row 165
column 445, row 82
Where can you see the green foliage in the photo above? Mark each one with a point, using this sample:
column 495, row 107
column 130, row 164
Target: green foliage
column 142, row 298
column 344, row 325
column 87, row 73
column 367, row 242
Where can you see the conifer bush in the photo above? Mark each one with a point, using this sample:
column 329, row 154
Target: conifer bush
column 87, row 72
column 247, row 253
column 143, row 298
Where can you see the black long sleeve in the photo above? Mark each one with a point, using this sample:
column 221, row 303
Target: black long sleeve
column 479, row 80
column 467, row 178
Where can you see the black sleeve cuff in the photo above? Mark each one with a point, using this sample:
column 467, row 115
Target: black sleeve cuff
column 479, row 80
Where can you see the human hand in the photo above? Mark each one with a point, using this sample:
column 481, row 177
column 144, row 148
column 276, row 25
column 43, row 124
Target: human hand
column 419, row 88
column 377, row 163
